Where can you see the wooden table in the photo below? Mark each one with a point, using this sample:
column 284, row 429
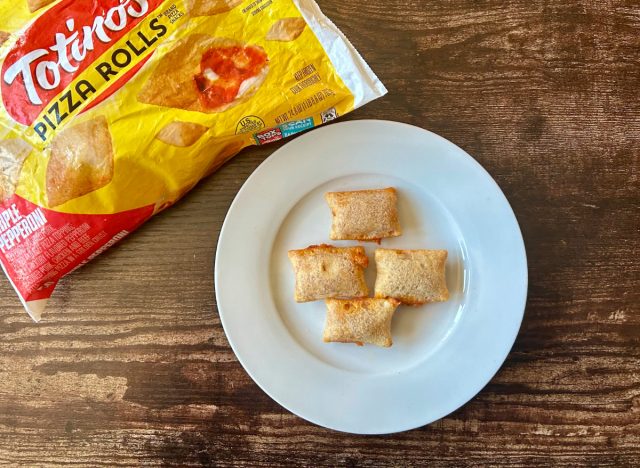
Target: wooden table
column 130, row 365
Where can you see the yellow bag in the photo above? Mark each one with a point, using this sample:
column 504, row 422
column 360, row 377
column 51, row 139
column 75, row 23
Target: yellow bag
column 114, row 109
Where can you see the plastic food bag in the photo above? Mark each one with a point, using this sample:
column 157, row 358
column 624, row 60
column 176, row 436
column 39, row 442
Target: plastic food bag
column 114, row 109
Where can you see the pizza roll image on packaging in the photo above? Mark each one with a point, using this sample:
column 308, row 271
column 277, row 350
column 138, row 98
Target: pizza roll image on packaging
column 35, row 5
column 181, row 133
column 366, row 215
column 286, row 29
column 113, row 110
column 81, row 161
column 413, row 277
column 13, row 152
column 360, row 321
column 206, row 74
column 325, row 271
column 211, row 7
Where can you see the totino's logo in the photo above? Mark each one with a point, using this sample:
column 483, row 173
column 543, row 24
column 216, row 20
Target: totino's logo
column 62, row 44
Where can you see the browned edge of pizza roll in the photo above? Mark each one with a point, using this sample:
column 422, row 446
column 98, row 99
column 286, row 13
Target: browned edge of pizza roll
column 413, row 277
column 324, row 271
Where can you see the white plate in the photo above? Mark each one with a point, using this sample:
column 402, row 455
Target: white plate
column 442, row 354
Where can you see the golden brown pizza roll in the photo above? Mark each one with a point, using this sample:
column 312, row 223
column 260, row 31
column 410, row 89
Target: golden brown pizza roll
column 360, row 321
column 364, row 214
column 181, row 133
column 13, row 152
column 211, row 7
column 81, row 161
column 206, row 74
column 37, row 4
column 286, row 29
column 413, row 277
column 324, row 271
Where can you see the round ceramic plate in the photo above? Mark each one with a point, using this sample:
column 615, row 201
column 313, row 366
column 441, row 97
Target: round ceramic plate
column 443, row 353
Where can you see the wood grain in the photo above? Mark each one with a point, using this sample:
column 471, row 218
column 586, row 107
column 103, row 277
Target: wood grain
column 131, row 365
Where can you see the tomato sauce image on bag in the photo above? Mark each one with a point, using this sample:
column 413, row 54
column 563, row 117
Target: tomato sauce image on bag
column 113, row 109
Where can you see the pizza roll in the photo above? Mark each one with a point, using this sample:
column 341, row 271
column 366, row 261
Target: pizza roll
column 286, row 29
column 212, row 7
column 81, row 161
column 13, row 152
column 206, row 74
column 37, row 4
column 413, row 277
column 181, row 133
column 366, row 215
column 360, row 321
column 324, row 271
